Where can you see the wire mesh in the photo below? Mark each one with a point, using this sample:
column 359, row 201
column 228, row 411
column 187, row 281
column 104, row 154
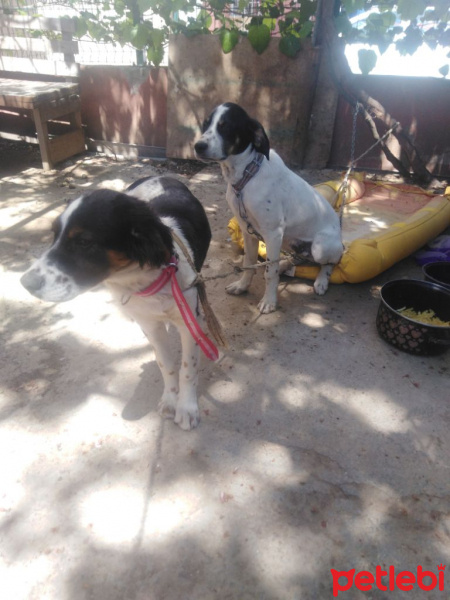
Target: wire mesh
column 90, row 52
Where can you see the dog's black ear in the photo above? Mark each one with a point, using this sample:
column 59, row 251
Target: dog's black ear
column 260, row 139
column 149, row 240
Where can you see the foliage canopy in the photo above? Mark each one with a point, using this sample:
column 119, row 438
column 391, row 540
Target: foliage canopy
column 405, row 23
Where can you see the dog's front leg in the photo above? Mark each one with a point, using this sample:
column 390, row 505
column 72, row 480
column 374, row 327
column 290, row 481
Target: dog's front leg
column 273, row 241
column 187, row 415
column 157, row 335
column 250, row 257
column 326, row 250
column 322, row 279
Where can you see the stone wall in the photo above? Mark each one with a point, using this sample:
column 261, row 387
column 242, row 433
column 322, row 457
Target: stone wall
column 273, row 88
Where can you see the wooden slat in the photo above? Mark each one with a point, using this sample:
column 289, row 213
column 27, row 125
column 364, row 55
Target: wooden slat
column 66, row 145
column 55, row 97
column 23, row 48
column 59, row 109
column 61, row 147
column 30, row 139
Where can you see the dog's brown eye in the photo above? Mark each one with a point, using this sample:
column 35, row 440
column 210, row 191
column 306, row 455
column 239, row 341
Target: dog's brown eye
column 223, row 126
column 84, row 241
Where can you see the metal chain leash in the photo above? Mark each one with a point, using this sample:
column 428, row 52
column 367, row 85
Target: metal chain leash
column 345, row 184
column 353, row 144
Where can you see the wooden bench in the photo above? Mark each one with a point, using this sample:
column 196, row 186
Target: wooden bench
column 39, row 93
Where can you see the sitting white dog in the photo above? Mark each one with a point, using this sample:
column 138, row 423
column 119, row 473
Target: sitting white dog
column 269, row 200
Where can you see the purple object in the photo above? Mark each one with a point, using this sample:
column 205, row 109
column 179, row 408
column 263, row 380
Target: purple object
column 436, row 251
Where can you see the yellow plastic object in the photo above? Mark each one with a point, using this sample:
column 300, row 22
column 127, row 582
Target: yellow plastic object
column 394, row 220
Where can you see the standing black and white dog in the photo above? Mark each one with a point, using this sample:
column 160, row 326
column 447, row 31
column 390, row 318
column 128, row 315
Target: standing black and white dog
column 268, row 199
column 125, row 240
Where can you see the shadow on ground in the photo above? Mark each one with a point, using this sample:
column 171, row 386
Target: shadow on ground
column 320, row 447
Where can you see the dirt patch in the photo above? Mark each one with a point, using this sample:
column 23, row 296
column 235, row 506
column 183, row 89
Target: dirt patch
column 320, row 446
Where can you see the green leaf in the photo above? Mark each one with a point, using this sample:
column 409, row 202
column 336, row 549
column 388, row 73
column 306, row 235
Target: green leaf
column 386, row 5
column 367, row 59
column 411, row 9
column 218, row 4
column 144, row 5
column 375, row 21
column 155, row 55
column 431, row 38
column 259, row 37
column 156, row 38
column 444, row 70
column 444, row 38
column 383, row 45
column 140, row 36
column 229, row 38
column 308, row 9
column 274, row 12
column 124, row 32
column 352, row 7
column 81, row 27
column 306, row 29
column 410, row 42
column 271, row 23
column 343, row 25
column 204, row 19
column 290, row 45
column 389, row 19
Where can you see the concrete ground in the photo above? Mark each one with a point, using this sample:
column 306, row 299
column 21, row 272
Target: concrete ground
column 320, row 446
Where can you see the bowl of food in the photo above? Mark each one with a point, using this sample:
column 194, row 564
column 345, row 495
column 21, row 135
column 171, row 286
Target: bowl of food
column 438, row 272
column 414, row 316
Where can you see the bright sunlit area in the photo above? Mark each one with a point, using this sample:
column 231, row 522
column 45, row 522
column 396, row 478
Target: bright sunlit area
column 317, row 441
column 424, row 62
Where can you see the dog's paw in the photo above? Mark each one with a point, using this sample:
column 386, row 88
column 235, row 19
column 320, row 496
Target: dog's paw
column 236, row 288
column 320, row 286
column 322, row 279
column 167, row 405
column 265, row 306
column 187, row 418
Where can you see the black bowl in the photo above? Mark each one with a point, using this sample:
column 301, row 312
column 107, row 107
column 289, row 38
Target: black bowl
column 438, row 272
column 407, row 334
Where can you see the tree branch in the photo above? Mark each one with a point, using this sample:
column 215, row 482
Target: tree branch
column 345, row 81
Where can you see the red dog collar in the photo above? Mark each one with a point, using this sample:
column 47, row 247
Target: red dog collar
column 169, row 273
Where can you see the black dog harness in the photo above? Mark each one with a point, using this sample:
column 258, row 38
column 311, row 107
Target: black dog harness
column 249, row 172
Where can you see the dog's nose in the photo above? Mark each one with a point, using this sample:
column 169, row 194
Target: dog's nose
column 32, row 281
column 200, row 147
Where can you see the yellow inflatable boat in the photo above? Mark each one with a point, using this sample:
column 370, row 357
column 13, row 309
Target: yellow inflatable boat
column 382, row 223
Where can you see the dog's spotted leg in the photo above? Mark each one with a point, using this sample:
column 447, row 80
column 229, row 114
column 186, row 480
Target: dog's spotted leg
column 250, row 257
column 156, row 333
column 268, row 303
column 187, row 414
